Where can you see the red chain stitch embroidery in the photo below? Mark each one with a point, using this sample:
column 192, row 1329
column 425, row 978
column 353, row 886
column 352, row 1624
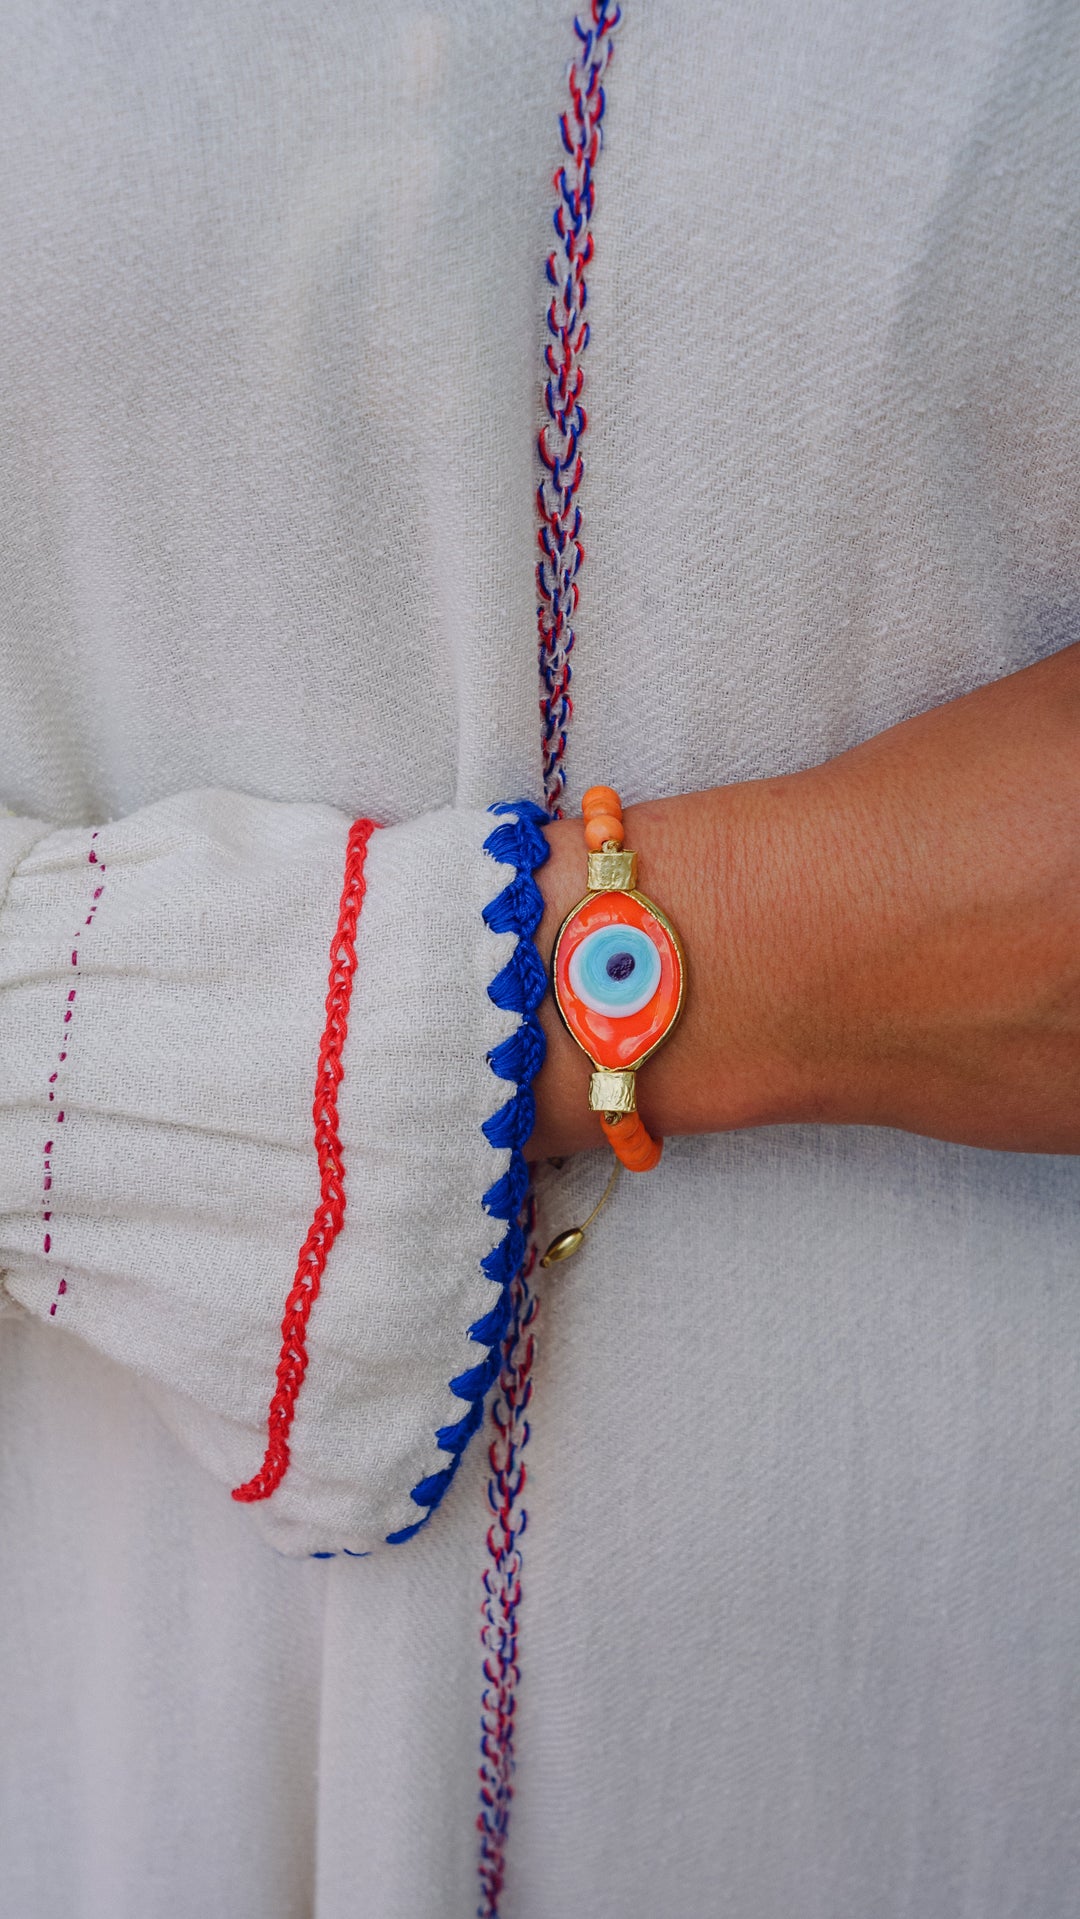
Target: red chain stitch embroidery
column 50, row 1144
column 330, row 1212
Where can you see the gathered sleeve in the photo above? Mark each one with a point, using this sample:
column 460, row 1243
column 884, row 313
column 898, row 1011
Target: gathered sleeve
column 264, row 1088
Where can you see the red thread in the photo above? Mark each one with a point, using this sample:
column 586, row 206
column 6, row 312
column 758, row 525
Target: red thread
column 559, row 441
column 330, row 1212
column 50, row 1144
column 502, row 1581
column 561, row 556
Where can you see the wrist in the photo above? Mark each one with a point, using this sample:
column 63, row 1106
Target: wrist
column 714, row 862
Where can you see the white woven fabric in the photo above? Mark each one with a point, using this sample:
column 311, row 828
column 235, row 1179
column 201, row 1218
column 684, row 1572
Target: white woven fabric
column 800, row 1608
column 182, row 1175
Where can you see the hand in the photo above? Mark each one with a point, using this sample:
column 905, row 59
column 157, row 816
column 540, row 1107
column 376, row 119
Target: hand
column 891, row 939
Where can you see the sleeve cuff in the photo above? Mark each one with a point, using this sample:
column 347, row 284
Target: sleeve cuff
column 185, row 1179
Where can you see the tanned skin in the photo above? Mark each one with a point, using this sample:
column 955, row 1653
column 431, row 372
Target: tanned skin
column 891, row 939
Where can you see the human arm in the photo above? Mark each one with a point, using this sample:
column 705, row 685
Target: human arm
column 889, row 939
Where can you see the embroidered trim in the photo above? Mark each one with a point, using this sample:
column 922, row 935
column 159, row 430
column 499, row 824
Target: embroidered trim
column 561, row 551
column 502, row 1583
column 561, row 555
column 518, row 987
column 330, row 1212
column 55, row 1121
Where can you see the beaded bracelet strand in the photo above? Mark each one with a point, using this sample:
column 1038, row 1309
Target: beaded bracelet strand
column 618, row 976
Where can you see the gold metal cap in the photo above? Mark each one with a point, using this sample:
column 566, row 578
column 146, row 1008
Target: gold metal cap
column 613, row 871
column 613, row 1092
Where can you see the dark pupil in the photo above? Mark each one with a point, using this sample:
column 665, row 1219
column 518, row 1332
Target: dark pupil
column 620, row 966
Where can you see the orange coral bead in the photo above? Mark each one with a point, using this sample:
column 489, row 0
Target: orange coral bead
column 600, row 799
column 631, row 1142
column 600, row 827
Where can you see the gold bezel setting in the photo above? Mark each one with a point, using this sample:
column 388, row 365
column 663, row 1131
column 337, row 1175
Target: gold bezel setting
column 658, row 914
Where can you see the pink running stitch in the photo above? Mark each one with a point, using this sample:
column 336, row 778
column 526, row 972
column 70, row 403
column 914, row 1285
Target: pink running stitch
column 57, row 1120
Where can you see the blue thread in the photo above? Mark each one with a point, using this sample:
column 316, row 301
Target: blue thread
column 557, row 598
column 513, row 1123
column 506, row 1198
column 518, row 987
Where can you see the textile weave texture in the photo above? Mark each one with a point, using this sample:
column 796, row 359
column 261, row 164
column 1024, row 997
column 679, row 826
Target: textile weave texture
column 272, row 321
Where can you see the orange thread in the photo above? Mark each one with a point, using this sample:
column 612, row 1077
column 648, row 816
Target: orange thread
column 330, row 1212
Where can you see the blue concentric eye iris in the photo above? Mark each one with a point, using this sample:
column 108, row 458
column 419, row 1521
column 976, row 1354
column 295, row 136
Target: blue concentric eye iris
column 616, row 970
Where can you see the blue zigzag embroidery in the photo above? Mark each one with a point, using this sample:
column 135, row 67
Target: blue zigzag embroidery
column 518, row 988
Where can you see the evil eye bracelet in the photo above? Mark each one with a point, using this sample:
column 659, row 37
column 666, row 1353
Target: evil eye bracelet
column 618, row 975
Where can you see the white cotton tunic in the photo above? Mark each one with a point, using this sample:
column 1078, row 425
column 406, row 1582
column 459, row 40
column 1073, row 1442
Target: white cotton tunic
column 800, row 1632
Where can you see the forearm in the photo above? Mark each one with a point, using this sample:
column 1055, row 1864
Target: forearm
column 892, row 938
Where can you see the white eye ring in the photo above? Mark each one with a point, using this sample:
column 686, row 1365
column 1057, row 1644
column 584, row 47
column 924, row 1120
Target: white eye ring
column 625, row 990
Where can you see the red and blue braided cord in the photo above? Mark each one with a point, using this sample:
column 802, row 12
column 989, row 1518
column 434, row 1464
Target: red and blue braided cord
column 561, row 554
column 502, row 1583
column 561, row 551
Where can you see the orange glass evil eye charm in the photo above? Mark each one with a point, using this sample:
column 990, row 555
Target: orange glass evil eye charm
column 619, row 979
